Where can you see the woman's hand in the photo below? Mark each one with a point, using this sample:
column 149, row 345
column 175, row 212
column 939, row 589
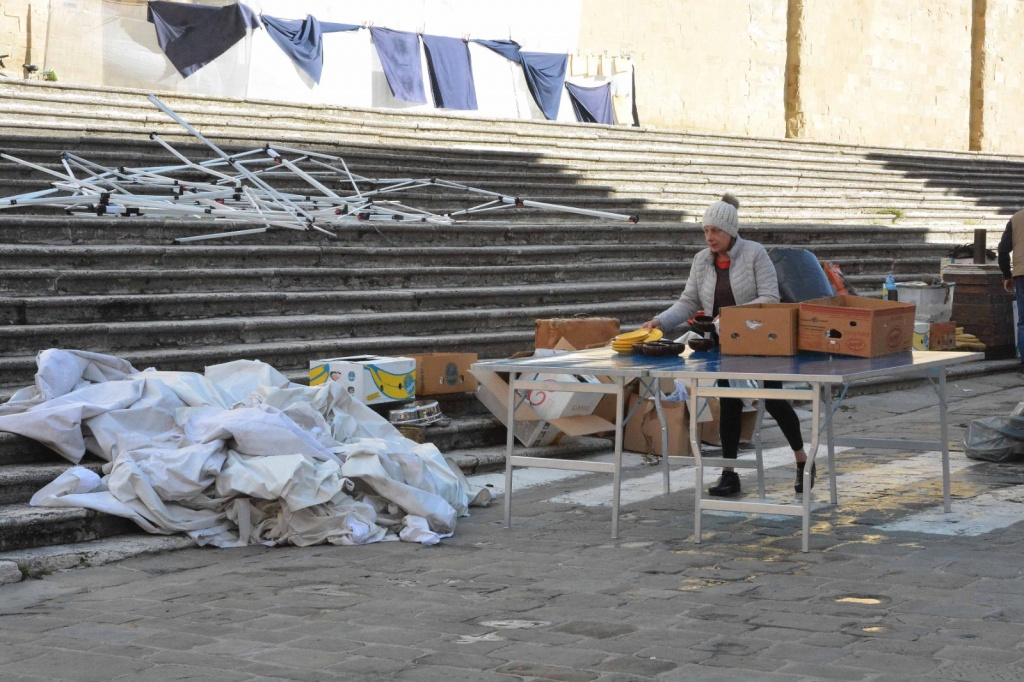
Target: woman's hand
column 651, row 324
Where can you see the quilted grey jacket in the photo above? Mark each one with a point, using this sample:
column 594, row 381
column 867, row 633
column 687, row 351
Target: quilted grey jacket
column 751, row 274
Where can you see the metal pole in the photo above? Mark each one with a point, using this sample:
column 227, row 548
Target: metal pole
column 980, row 245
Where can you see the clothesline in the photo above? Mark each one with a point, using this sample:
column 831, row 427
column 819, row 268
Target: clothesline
column 192, row 36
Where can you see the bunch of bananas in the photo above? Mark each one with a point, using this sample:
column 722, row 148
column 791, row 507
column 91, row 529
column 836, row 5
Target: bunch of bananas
column 967, row 341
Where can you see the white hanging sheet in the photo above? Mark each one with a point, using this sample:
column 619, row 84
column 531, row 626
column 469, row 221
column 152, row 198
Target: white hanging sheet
column 237, row 455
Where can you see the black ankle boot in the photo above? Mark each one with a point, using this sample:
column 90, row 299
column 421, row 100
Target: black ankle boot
column 728, row 484
column 799, row 485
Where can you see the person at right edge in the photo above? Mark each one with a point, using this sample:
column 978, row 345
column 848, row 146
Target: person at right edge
column 733, row 271
column 1012, row 241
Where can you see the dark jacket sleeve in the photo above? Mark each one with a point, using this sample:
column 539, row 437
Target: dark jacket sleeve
column 1004, row 249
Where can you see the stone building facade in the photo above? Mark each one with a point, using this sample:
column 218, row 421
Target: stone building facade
column 916, row 73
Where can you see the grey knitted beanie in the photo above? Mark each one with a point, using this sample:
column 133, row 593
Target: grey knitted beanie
column 724, row 215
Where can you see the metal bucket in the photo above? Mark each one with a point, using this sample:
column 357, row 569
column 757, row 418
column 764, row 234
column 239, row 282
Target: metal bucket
column 934, row 301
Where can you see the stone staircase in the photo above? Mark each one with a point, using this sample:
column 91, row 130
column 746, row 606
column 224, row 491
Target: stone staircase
column 121, row 286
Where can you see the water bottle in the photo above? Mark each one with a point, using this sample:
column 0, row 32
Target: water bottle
column 889, row 292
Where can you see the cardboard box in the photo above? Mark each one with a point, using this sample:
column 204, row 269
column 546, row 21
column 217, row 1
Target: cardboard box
column 442, row 373
column 557, row 404
column 759, row 329
column 709, row 418
column 940, row 336
column 370, row 379
column 579, row 332
column 643, row 431
column 532, row 430
column 854, row 325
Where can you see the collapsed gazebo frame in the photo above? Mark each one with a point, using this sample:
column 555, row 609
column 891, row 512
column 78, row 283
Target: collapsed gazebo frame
column 234, row 189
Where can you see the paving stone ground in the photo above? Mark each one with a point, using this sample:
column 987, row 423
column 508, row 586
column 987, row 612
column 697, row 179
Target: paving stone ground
column 555, row 598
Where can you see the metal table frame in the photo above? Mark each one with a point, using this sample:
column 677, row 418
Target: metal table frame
column 603, row 362
column 820, row 373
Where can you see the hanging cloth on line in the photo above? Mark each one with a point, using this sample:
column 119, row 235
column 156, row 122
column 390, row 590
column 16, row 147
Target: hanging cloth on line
column 192, row 36
column 509, row 49
column 545, row 74
column 399, row 54
column 544, row 71
column 592, row 105
column 451, row 72
column 302, row 40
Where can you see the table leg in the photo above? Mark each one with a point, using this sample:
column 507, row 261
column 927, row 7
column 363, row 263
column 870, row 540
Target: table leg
column 698, row 491
column 509, row 445
column 826, row 391
column 664, row 432
column 617, row 474
column 757, row 444
column 944, row 434
column 808, row 493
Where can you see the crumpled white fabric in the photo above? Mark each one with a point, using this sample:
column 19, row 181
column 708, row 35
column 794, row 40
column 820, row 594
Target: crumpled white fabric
column 236, row 456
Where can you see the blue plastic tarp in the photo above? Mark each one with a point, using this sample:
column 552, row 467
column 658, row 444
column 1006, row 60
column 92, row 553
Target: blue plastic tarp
column 192, row 36
column 302, row 40
column 451, row 72
column 544, row 71
column 399, row 53
column 592, row 105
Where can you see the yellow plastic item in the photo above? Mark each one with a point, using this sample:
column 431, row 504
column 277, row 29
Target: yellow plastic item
column 655, row 335
column 635, row 335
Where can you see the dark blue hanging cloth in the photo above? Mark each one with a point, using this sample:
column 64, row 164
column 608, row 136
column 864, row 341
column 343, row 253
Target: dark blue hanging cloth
column 592, row 105
column 400, row 56
column 303, row 40
column 545, row 73
column 451, row 72
column 192, row 36
column 509, row 49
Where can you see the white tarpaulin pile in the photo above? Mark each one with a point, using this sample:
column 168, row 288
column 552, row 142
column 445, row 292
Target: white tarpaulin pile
column 238, row 455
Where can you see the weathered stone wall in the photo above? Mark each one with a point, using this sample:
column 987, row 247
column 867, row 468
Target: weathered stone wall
column 886, row 73
column 710, row 66
column 1000, row 86
column 858, row 71
column 23, row 33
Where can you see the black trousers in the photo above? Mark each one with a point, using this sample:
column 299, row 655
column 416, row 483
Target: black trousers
column 780, row 410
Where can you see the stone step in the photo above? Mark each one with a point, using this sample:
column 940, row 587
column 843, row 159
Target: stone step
column 971, row 182
column 19, row 482
column 299, row 279
column 296, row 329
column 17, row 370
column 752, row 183
column 497, row 170
column 110, row 102
column 36, row 562
column 16, row 449
column 128, row 257
column 34, row 229
column 255, row 301
column 23, row 527
column 139, row 115
column 194, row 306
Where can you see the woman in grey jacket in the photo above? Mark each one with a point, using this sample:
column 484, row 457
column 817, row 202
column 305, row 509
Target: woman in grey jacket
column 733, row 271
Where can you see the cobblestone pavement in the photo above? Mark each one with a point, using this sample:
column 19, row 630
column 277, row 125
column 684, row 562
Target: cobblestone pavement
column 554, row 598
